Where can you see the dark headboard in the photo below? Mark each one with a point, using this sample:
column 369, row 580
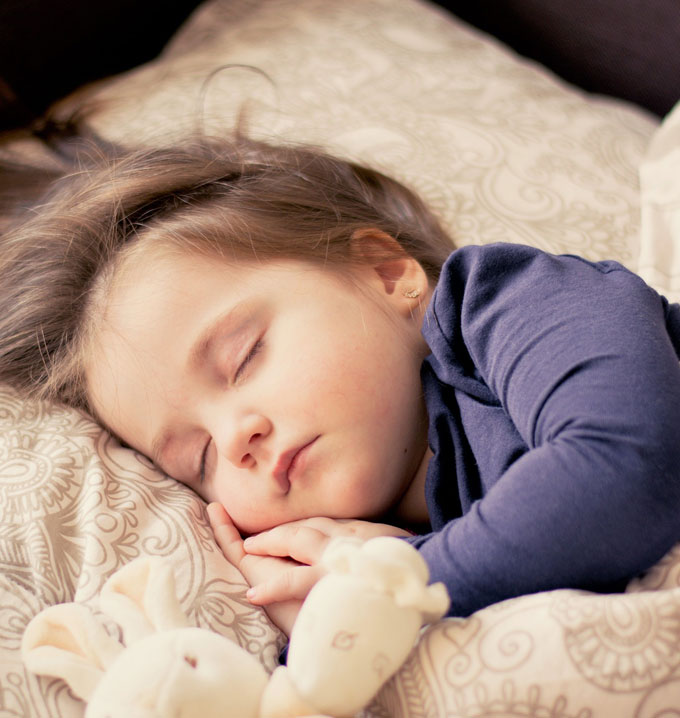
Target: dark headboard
column 624, row 48
column 50, row 47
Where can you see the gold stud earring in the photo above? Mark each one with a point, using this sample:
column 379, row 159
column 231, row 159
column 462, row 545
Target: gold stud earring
column 411, row 293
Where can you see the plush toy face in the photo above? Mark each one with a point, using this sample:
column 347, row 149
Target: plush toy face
column 187, row 673
column 353, row 632
column 348, row 628
column 167, row 669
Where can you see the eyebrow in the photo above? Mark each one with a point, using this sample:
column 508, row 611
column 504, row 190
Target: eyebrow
column 231, row 322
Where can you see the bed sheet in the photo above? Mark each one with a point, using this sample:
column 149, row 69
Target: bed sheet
column 659, row 260
column 502, row 150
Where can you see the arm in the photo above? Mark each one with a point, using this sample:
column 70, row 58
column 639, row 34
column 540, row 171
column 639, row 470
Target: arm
column 579, row 358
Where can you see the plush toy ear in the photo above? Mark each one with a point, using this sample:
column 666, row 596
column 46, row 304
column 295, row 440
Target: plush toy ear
column 141, row 597
column 393, row 567
column 67, row 641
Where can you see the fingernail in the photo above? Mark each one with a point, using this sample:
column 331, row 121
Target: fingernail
column 247, row 542
column 251, row 593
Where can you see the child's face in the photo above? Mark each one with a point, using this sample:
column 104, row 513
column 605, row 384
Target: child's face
column 299, row 395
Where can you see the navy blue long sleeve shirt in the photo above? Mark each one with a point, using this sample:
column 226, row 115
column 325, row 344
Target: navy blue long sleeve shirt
column 553, row 395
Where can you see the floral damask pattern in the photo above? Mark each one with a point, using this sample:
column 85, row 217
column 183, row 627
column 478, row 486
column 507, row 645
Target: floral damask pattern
column 75, row 506
column 563, row 653
column 499, row 147
column 622, row 645
column 502, row 151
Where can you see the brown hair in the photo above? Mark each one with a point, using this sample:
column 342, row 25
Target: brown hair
column 238, row 198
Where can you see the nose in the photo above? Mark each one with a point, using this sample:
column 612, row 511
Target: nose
column 241, row 442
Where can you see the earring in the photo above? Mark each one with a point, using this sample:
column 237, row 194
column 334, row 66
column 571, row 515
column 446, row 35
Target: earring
column 411, row 293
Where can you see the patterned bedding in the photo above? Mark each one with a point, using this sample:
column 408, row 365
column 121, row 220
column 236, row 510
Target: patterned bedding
column 502, row 150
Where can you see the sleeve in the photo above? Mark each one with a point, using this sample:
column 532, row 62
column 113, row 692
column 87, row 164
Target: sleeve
column 579, row 357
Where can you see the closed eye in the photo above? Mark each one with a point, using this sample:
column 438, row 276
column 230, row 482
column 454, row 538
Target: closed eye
column 204, row 455
column 254, row 351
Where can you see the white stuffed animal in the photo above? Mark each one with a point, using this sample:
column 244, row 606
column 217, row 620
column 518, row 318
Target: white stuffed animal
column 353, row 632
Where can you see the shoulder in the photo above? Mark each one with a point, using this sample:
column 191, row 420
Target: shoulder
column 478, row 274
column 502, row 259
column 505, row 289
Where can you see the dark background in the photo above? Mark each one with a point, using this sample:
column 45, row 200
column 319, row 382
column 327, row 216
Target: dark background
column 625, row 48
column 50, row 47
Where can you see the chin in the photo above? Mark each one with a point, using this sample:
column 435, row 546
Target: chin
column 250, row 528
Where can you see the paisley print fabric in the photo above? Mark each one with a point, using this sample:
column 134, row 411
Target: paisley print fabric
column 502, row 151
column 74, row 507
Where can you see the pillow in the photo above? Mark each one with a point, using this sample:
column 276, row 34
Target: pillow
column 502, row 150
column 659, row 261
column 74, row 507
column 559, row 654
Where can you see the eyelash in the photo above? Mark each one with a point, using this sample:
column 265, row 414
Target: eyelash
column 254, row 351
column 201, row 473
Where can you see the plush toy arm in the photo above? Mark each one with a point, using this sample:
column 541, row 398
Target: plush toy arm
column 359, row 623
column 281, row 699
column 141, row 597
column 391, row 566
column 66, row 641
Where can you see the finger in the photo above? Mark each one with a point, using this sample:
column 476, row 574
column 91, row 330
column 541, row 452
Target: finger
column 322, row 523
column 260, row 569
column 301, row 543
column 284, row 614
column 294, row 584
column 351, row 527
column 226, row 534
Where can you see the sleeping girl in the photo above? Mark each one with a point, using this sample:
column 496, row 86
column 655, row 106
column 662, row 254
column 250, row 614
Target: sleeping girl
column 291, row 336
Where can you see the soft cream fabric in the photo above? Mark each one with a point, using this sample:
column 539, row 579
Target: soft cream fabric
column 503, row 151
column 659, row 261
column 498, row 146
column 563, row 654
column 74, row 507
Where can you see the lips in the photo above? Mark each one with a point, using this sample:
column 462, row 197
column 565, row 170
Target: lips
column 288, row 463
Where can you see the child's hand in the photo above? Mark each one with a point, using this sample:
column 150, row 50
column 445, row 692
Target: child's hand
column 256, row 569
column 303, row 541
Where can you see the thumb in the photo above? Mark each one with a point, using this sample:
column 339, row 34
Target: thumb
column 226, row 534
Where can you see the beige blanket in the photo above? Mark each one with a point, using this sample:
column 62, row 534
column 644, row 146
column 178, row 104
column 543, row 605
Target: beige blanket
column 503, row 151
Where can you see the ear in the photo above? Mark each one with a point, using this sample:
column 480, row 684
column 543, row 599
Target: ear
column 67, row 641
column 141, row 597
column 391, row 270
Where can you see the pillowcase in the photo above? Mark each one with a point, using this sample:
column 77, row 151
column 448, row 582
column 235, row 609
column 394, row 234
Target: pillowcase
column 499, row 147
column 559, row 653
column 659, row 261
column 502, row 150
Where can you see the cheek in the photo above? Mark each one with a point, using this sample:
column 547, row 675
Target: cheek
column 364, row 490
column 311, row 382
column 376, row 386
column 249, row 514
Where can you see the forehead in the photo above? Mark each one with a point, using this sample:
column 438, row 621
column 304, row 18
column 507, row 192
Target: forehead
column 154, row 313
column 151, row 304
column 150, row 314
column 160, row 270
